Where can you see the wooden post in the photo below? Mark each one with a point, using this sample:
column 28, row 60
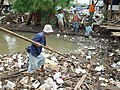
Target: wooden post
column 110, row 13
column 119, row 7
column 1, row 6
column 29, row 19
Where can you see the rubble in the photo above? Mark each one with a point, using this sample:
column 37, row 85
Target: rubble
column 92, row 66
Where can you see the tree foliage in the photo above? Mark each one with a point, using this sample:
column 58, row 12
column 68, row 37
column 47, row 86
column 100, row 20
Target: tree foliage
column 39, row 5
column 44, row 7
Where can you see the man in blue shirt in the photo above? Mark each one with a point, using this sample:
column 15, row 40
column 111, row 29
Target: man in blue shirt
column 36, row 59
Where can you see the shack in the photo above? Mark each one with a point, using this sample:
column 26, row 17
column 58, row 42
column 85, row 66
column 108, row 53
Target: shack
column 112, row 25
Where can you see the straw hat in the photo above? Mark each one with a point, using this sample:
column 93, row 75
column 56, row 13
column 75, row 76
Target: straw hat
column 47, row 29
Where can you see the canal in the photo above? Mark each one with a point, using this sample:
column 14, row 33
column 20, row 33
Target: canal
column 11, row 44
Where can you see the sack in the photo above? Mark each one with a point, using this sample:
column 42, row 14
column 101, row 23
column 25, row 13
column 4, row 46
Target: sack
column 28, row 49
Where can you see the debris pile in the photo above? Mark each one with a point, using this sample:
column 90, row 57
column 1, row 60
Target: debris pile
column 84, row 16
column 93, row 67
column 14, row 18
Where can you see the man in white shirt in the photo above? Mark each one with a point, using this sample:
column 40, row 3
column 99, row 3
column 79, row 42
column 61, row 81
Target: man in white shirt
column 60, row 18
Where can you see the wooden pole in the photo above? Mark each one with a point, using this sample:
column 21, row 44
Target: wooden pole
column 110, row 14
column 1, row 6
column 29, row 40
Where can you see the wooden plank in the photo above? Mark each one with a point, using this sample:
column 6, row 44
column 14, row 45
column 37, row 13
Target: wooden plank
column 109, row 87
column 103, row 26
column 77, row 87
column 90, row 87
column 108, row 27
column 115, row 33
column 113, row 27
column 80, row 82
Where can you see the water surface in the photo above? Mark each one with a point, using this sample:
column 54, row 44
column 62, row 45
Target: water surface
column 11, row 44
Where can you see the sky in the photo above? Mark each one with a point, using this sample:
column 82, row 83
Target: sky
column 83, row 1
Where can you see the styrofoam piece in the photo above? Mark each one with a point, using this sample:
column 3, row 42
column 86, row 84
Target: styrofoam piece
column 59, row 81
column 57, row 75
column 36, row 84
column 10, row 84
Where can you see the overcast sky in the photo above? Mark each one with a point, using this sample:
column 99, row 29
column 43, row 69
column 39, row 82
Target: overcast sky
column 84, row 1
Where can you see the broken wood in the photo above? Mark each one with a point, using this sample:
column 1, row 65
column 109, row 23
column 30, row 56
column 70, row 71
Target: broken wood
column 90, row 87
column 10, row 76
column 15, row 74
column 18, row 72
column 82, row 79
column 29, row 19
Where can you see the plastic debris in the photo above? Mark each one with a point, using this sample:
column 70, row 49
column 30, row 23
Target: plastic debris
column 36, row 84
column 100, row 68
column 10, row 84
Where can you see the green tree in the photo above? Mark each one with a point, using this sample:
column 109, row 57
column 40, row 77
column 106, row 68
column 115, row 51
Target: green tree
column 44, row 7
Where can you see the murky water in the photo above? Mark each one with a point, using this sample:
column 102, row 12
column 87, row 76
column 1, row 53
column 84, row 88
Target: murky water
column 11, row 44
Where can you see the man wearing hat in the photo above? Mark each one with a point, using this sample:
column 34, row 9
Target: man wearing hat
column 36, row 59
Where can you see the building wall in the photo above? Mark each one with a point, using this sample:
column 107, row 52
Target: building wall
column 115, row 2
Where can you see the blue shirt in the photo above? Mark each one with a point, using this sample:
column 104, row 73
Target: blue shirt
column 40, row 37
column 88, row 30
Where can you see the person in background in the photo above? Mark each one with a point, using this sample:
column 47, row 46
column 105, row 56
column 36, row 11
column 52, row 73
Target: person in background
column 88, row 29
column 76, row 19
column 36, row 59
column 60, row 17
column 92, row 10
column 73, row 9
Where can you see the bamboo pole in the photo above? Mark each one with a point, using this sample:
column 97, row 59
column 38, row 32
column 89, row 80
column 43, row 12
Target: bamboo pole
column 29, row 40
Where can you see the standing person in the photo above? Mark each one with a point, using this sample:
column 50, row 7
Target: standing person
column 76, row 19
column 73, row 9
column 36, row 59
column 92, row 10
column 60, row 18
column 88, row 30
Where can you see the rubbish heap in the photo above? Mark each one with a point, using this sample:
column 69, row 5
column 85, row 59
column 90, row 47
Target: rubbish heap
column 93, row 66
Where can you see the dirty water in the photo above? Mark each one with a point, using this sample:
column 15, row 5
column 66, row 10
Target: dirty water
column 11, row 44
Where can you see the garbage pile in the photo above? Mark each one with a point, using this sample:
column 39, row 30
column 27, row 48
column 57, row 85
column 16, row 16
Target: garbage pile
column 84, row 16
column 94, row 66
